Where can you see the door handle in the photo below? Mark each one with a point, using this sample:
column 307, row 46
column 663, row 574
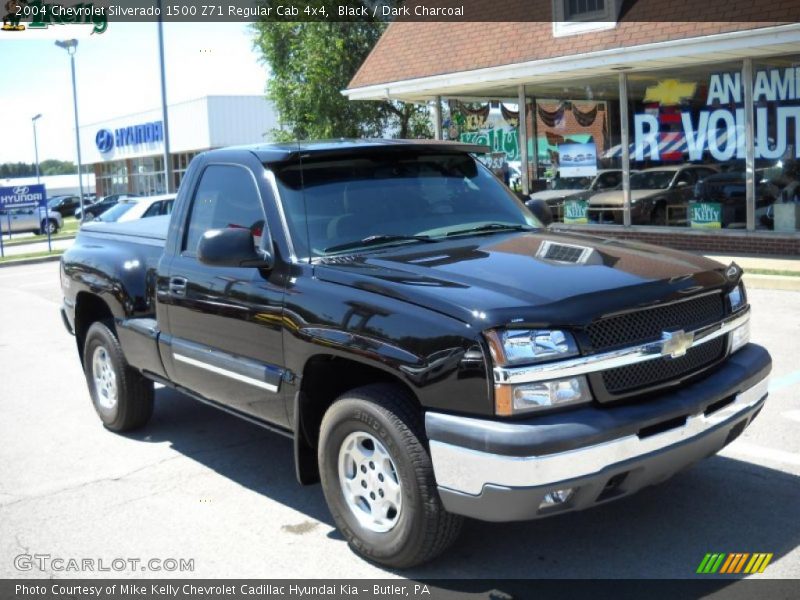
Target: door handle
column 177, row 286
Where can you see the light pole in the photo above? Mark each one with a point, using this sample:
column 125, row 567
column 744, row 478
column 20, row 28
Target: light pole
column 168, row 183
column 36, row 145
column 71, row 46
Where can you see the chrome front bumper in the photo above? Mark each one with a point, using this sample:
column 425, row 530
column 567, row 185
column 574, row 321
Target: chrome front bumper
column 472, row 480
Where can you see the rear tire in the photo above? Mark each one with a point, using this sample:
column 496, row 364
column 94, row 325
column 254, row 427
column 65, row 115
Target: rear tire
column 373, row 460
column 122, row 397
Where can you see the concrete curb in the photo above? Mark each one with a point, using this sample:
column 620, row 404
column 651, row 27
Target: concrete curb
column 33, row 261
column 772, row 282
column 15, row 244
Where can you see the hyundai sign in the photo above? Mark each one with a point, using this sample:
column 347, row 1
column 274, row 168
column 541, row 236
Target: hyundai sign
column 22, row 195
column 146, row 133
column 104, row 140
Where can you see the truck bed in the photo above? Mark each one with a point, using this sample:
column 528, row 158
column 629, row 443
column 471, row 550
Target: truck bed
column 152, row 228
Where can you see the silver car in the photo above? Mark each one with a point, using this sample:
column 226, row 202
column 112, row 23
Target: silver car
column 19, row 220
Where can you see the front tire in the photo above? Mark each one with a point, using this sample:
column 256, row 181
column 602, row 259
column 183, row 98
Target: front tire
column 49, row 226
column 378, row 481
column 122, row 397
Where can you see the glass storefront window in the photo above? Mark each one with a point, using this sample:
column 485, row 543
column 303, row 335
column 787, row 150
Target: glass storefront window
column 687, row 134
column 776, row 106
column 573, row 129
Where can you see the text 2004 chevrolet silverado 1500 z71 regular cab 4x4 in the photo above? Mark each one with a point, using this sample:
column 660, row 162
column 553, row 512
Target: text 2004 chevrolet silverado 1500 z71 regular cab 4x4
column 430, row 347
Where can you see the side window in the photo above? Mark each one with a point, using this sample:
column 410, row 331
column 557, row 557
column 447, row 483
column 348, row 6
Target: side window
column 686, row 176
column 154, row 210
column 225, row 197
column 608, row 180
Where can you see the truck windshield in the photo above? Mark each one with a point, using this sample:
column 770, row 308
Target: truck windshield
column 571, row 183
column 391, row 198
column 115, row 212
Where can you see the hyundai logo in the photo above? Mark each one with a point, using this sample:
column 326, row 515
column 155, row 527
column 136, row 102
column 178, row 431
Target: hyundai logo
column 21, row 190
column 104, row 140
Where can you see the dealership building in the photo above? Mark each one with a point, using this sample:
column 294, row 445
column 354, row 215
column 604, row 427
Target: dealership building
column 699, row 120
column 126, row 153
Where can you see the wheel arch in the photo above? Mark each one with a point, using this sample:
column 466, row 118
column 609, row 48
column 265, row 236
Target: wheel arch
column 90, row 308
column 325, row 377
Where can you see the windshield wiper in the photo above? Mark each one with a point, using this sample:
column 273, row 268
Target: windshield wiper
column 374, row 240
column 491, row 227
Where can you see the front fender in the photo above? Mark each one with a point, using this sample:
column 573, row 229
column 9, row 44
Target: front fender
column 441, row 359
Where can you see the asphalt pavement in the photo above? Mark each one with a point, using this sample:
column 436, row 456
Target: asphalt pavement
column 198, row 484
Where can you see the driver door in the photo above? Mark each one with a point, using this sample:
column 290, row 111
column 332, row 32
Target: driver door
column 224, row 322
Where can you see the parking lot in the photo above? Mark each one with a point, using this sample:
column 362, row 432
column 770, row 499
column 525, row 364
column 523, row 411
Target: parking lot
column 200, row 484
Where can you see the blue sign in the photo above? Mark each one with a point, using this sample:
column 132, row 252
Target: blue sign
column 104, row 140
column 22, row 195
column 146, row 133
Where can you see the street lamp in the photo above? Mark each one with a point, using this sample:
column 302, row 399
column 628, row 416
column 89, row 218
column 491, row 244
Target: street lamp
column 35, row 144
column 168, row 182
column 71, row 46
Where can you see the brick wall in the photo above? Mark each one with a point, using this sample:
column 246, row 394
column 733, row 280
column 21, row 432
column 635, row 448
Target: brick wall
column 755, row 243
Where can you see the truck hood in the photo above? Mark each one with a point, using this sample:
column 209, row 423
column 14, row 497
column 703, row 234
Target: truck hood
column 554, row 194
column 538, row 278
column 615, row 197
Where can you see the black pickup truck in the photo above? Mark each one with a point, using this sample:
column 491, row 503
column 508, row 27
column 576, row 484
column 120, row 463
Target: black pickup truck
column 433, row 350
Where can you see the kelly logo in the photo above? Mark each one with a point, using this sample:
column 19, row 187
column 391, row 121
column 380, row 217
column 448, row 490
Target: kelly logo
column 733, row 563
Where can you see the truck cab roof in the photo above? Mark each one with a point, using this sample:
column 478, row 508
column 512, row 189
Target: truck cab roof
column 280, row 152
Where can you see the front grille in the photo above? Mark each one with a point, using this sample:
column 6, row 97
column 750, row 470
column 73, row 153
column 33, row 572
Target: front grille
column 647, row 325
column 626, row 380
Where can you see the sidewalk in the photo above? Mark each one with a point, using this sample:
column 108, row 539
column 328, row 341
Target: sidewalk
column 772, row 281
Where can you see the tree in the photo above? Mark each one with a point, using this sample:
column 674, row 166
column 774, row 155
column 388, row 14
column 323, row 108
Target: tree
column 310, row 64
column 46, row 167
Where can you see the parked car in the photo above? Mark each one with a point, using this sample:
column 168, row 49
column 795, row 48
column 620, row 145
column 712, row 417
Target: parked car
column 659, row 196
column 730, row 191
column 21, row 220
column 64, row 205
column 130, row 209
column 102, row 205
column 564, row 188
column 430, row 347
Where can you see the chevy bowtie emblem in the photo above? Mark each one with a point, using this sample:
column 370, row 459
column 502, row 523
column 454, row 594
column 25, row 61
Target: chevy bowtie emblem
column 676, row 343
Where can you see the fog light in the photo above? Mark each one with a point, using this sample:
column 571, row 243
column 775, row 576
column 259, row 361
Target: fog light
column 531, row 396
column 740, row 336
column 556, row 497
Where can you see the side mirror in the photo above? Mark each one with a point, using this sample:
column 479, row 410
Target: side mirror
column 682, row 183
column 541, row 210
column 232, row 247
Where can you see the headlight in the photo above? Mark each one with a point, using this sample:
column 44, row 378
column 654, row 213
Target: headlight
column 519, row 346
column 527, row 397
column 737, row 298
